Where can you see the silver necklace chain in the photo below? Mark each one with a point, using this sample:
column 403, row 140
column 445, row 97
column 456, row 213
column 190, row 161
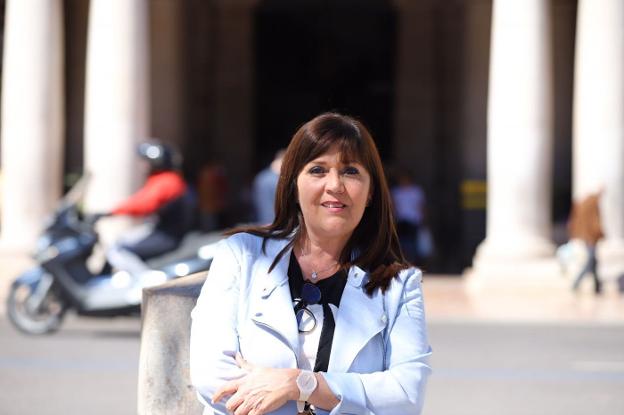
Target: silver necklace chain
column 315, row 274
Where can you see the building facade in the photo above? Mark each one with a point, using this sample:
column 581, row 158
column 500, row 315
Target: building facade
column 511, row 105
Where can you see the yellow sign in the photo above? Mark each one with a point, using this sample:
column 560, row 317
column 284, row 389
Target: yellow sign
column 474, row 194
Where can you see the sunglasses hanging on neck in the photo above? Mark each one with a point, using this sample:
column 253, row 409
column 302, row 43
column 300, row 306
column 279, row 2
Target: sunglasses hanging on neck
column 310, row 294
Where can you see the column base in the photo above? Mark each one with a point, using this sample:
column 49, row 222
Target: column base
column 611, row 258
column 16, row 246
column 509, row 265
column 13, row 261
column 503, row 252
column 546, row 273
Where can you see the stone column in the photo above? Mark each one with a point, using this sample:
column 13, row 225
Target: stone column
column 116, row 101
column 598, row 126
column 519, row 138
column 32, row 118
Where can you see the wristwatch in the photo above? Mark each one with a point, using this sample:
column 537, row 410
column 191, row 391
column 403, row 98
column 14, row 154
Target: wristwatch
column 306, row 382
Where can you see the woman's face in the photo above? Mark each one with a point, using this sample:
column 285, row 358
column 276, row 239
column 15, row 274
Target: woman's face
column 332, row 195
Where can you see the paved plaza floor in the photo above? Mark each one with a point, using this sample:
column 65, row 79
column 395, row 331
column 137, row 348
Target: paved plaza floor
column 511, row 349
column 455, row 298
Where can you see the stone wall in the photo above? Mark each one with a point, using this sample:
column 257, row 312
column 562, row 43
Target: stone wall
column 164, row 375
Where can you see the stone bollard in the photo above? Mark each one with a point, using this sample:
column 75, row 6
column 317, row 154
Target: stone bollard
column 164, row 376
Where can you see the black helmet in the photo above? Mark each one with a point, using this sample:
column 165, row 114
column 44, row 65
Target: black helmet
column 158, row 155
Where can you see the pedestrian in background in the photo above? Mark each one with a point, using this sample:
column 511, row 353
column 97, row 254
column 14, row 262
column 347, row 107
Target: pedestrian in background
column 409, row 209
column 585, row 224
column 318, row 311
column 264, row 186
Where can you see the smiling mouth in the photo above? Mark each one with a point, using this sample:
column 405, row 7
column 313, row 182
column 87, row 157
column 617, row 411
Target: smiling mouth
column 333, row 205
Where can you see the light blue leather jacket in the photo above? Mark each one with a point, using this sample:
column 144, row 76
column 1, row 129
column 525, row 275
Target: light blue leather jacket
column 379, row 358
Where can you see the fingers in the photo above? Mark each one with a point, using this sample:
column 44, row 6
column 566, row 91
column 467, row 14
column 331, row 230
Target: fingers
column 249, row 402
column 236, row 404
column 258, row 409
column 228, row 388
column 251, row 405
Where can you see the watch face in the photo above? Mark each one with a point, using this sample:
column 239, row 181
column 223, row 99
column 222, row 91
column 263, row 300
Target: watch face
column 306, row 381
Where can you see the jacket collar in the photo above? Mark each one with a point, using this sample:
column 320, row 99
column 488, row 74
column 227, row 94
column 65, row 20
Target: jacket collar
column 274, row 302
column 279, row 275
column 360, row 318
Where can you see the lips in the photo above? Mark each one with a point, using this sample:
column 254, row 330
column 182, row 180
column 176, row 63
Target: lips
column 333, row 205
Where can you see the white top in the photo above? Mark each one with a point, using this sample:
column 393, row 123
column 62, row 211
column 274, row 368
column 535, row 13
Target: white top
column 309, row 341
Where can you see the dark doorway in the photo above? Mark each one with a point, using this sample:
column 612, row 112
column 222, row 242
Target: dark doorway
column 315, row 56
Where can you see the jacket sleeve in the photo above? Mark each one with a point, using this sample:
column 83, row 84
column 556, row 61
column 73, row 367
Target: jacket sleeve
column 214, row 340
column 400, row 388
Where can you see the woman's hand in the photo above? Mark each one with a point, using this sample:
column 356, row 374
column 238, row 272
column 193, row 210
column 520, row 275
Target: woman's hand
column 260, row 391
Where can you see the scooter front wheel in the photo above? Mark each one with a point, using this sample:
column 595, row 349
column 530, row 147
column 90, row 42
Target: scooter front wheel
column 44, row 317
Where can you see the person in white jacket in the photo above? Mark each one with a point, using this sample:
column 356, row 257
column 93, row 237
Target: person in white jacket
column 318, row 312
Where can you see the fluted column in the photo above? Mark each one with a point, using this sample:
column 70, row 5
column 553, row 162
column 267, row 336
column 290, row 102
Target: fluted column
column 32, row 117
column 116, row 102
column 598, row 143
column 519, row 146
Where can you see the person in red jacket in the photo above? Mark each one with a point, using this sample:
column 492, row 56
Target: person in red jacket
column 167, row 199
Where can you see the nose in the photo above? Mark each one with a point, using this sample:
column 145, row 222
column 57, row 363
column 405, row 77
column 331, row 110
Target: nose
column 334, row 182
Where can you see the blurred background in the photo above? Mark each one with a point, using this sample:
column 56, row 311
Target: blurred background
column 500, row 113
column 228, row 82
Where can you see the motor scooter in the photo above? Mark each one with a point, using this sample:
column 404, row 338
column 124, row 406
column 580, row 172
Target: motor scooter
column 40, row 297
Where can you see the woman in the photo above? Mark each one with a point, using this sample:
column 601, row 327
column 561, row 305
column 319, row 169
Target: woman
column 318, row 312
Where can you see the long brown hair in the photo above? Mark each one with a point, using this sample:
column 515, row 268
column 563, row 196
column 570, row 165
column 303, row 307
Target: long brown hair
column 374, row 245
